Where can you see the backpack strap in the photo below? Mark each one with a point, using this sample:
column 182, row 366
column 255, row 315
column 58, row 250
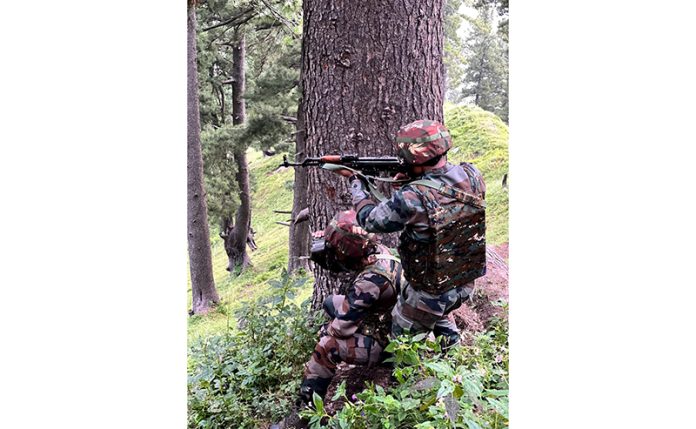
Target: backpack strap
column 393, row 274
column 451, row 192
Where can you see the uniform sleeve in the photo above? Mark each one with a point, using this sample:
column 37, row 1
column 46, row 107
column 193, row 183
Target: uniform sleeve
column 388, row 216
column 349, row 310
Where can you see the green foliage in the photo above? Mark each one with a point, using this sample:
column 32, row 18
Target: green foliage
column 269, row 192
column 485, row 80
column 481, row 137
column 240, row 379
column 271, row 93
column 502, row 7
column 454, row 58
column 467, row 387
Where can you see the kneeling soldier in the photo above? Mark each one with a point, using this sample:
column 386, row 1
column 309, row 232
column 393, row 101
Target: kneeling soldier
column 441, row 212
column 361, row 321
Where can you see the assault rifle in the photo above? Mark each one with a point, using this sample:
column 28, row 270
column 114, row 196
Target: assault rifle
column 368, row 165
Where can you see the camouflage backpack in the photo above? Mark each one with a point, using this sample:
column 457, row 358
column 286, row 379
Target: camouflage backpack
column 456, row 252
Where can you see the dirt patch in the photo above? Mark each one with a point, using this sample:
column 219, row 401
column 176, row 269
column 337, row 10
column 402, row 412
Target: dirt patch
column 355, row 378
column 474, row 315
column 503, row 250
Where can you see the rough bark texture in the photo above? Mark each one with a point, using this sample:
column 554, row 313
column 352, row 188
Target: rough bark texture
column 200, row 259
column 299, row 233
column 368, row 67
column 236, row 241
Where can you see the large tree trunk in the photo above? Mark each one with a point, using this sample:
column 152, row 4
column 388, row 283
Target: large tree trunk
column 238, row 259
column 299, row 232
column 367, row 69
column 200, row 259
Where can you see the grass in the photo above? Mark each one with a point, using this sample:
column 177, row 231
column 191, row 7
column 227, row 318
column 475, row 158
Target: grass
column 270, row 191
column 479, row 137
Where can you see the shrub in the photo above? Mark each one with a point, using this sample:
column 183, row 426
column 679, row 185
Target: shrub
column 251, row 375
column 466, row 387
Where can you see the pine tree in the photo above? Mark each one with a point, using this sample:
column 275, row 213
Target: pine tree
column 200, row 259
column 238, row 34
column 485, row 81
column 455, row 61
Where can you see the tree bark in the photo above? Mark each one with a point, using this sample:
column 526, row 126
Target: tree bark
column 200, row 259
column 367, row 69
column 299, row 232
column 238, row 259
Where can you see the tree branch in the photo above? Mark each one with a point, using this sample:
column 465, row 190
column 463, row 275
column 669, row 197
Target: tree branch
column 268, row 26
column 280, row 18
column 231, row 20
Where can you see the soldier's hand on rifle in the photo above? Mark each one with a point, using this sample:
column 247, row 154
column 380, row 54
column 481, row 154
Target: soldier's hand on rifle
column 399, row 176
column 343, row 172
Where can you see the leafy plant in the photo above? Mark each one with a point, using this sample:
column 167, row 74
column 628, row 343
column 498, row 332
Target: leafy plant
column 250, row 375
column 465, row 388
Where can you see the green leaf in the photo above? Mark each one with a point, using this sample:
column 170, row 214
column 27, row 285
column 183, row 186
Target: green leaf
column 411, row 357
column 318, row 403
column 390, row 348
column 340, row 391
column 419, row 337
column 275, row 284
column 446, row 388
column 496, row 392
column 409, row 403
column 472, row 424
column 440, row 368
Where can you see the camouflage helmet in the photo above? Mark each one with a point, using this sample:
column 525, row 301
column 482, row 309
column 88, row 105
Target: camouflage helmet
column 347, row 241
column 422, row 140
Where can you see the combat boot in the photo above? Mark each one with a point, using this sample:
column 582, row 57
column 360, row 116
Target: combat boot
column 307, row 390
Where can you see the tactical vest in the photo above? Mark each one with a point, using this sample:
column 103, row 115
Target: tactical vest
column 377, row 323
column 455, row 254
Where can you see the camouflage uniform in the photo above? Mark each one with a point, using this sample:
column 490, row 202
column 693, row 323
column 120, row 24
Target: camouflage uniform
column 417, row 310
column 359, row 329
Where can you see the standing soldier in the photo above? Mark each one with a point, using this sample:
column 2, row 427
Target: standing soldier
column 360, row 321
column 442, row 215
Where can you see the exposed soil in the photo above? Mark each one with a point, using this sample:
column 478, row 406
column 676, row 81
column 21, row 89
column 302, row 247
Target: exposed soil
column 472, row 317
column 355, row 378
